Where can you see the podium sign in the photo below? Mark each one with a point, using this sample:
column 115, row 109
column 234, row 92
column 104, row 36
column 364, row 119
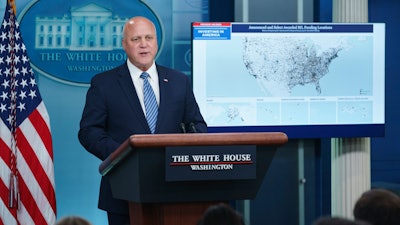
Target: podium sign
column 170, row 179
column 189, row 163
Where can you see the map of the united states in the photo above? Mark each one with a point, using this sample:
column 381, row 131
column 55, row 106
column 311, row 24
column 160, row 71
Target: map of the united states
column 281, row 63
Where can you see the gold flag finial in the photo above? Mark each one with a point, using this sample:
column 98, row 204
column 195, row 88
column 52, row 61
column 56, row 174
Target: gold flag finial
column 12, row 3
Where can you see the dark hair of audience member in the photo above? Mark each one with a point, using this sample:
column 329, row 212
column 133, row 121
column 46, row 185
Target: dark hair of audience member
column 73, row 220
column 378, row 207
column 221, row 214
column 327, row 220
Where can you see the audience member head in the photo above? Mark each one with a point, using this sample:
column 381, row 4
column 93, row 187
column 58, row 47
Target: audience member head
column 221, row 214
column 327, row 220
column 73, row 220
column 378, row 207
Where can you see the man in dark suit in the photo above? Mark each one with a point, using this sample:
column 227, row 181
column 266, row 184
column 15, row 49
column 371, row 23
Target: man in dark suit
column 115, row 108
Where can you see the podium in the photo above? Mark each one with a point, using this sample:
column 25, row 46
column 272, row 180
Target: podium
column 171, row 179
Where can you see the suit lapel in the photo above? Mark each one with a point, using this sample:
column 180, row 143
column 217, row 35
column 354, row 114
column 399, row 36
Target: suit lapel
column 125, row 81
column 163, row 84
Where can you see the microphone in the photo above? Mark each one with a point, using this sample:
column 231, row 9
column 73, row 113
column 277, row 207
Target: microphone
column 183, row 127
column 193, row 127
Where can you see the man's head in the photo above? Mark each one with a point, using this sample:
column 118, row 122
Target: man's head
column 328, row 220
column 221, row 214
column 140, row 42
column 378, row 207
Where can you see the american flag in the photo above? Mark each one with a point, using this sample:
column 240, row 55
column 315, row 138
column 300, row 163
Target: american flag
column 27, row 187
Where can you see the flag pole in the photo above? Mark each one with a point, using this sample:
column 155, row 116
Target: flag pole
column 13, row 192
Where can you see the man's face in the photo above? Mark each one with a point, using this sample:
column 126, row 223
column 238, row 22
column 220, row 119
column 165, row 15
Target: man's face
column 140, row 42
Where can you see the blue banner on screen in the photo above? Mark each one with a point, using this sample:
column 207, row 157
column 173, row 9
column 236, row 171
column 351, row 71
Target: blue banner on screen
column 212, row 31
column 210, row 163
column 308, row 80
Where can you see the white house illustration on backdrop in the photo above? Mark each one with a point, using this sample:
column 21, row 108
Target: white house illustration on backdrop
column 90, row 27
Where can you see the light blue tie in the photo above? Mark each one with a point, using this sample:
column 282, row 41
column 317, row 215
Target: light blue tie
column 150, row 102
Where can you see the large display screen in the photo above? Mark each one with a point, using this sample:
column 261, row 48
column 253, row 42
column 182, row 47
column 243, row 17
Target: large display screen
column 308, row 80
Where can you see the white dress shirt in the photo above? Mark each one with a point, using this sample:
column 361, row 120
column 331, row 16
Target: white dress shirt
column 138, row 82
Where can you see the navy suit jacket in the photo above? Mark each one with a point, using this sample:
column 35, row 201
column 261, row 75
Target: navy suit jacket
column 113, row 112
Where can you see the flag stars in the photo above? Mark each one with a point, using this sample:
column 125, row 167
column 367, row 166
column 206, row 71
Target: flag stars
column 23, row 48
column 8, row 60
column 10, row 48
column 2, row 48
column 4, row 96
column 3, row 36
column 25, row 59
column 18, row 87
column 32, row 82
column 16, row 71
column 10, row 35
column 7, row 72
column 16, row 47
column 24, row 71
column 5, row 24
column 17, row 36
column 22, row 95
column 6, row 84
column 21, row 106
column 10, row 119
column 16, row 59
column 24, row 83
column 32, row 94
column 3, row 107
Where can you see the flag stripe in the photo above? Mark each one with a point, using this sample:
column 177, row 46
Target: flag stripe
column 26, row 198
column 32, row 197
column 5, row 140
column 30, row 142
column 7, row 217
column 41, row 178
column 29, row 201
column 24, row 217
column 4, row 153
column 42, row 128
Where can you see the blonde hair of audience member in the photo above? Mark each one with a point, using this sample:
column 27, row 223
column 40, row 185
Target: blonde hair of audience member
column 221, row 214
column 378, row 207
column 73, row 220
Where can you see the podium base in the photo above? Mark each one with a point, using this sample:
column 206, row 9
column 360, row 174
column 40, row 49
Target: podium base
column 167, row 213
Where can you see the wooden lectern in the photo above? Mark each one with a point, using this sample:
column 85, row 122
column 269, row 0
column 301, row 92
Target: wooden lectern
column 139, row 173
